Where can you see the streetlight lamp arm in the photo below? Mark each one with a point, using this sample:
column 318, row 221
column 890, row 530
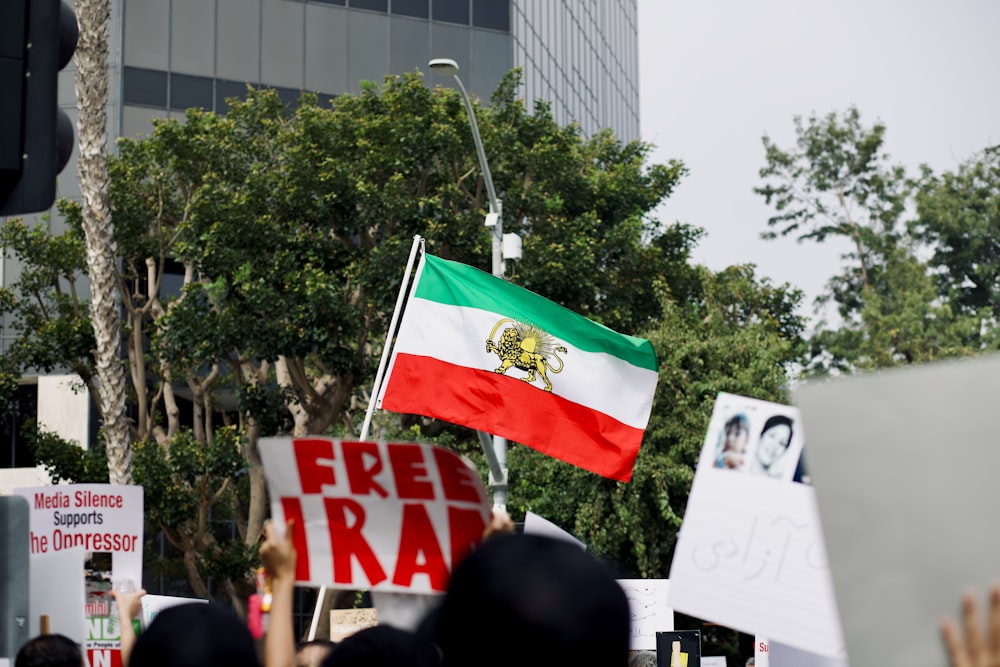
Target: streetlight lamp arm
column 487, row 177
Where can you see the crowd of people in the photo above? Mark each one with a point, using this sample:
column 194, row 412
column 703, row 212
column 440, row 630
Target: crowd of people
column 522, row 600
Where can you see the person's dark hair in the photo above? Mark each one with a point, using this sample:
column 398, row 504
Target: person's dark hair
column 383, row 646
column 779, row 420
column 195, row 635
column 736, row 424
column 49, row 651
column 530, row 601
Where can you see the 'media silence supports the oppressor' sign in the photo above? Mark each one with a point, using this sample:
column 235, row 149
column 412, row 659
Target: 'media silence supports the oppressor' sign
column 95, row 517
column 375, row 515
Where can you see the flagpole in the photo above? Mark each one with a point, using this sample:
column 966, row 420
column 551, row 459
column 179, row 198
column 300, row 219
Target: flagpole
column 377, row 385
column 417, row 241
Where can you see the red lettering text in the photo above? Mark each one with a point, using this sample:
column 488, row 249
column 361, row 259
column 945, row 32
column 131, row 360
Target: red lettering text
column 346, row 541
column 458, row 480
column 410, row 472
column 361, row 477
column 416, row 539
column 313, row 475
column 465, row 530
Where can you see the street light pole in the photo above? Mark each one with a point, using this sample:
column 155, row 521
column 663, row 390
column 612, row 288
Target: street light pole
column 496, row 455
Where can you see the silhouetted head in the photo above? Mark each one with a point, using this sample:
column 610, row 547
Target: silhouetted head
column 195, row 635
column 49, row 651
column 528, row 600
column 384, row 646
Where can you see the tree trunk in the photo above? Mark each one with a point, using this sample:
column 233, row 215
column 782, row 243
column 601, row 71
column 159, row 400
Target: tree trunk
column 94, row 17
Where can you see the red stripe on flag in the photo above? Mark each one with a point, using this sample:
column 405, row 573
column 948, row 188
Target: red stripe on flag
column 511, row 408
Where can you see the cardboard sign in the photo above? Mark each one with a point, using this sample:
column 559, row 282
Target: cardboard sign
column 648, row 610
column 750, row 553
column 374, row 515
column 345, row 622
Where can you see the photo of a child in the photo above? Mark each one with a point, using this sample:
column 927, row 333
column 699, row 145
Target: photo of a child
column 733, row 441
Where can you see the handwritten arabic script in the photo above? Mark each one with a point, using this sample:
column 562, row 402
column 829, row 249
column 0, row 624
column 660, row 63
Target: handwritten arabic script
column 649, row 611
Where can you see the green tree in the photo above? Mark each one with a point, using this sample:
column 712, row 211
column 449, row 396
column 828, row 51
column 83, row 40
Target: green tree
column 837, row 181
column 958, row 217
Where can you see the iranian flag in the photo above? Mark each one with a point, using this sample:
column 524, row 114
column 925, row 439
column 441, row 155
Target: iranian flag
column 478, row 351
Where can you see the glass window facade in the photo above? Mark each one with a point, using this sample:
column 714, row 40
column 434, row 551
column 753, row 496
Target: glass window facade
column 452, row 11
column 580, row 57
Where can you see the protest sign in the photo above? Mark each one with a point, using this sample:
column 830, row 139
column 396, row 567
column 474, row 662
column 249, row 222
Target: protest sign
column 152, row 605
column 905, row 467
column 58, row 593
column 374, row 515
column 750, row 552
column 346, row 622
column 100, row 518
column 537, row 525
column 648, row 610
column 761, row 652
column 95, row 518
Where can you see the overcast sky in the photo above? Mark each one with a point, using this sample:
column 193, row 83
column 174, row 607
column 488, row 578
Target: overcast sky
column 716, row 75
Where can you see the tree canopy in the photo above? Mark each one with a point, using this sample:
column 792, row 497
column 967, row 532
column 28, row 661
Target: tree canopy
column 893, row 307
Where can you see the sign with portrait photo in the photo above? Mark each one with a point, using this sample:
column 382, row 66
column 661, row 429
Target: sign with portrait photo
column 750, row 552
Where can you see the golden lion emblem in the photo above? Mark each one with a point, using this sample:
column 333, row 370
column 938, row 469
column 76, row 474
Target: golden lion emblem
column 525, row 347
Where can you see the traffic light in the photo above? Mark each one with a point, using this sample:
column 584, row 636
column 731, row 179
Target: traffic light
column 37, row 39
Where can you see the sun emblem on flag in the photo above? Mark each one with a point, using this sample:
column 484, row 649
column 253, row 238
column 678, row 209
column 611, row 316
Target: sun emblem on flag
column 527, row 348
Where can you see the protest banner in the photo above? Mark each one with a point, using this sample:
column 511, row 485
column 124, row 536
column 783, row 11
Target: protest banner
column 375, row 515
column 750, row 552
column 97, row 518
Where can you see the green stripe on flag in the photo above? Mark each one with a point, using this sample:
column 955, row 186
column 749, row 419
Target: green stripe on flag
column 458, row 284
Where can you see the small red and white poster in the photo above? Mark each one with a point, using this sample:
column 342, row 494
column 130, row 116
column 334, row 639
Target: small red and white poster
column 387, row 516
column 76, row 521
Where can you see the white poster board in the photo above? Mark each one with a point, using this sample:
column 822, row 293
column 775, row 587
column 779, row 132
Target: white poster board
column 905, row 464
column 58, row 592
column 99, row 518
column 382, row 516
column 750, row 552
column 649, row 611
column 538, row 525
column 152, row 605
